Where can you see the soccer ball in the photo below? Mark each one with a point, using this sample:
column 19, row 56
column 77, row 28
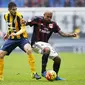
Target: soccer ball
column 51, row 75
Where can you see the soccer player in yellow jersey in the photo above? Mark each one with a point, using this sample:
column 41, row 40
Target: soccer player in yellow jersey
column 17, row 36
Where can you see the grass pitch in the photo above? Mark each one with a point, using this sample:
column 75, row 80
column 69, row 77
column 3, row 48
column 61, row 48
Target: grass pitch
column 17, row 71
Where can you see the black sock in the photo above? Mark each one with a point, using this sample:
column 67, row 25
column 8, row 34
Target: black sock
column 56, row 64
column 44, row 62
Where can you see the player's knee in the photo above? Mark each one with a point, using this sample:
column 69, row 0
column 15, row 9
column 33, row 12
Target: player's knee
column 2, row 54
column 57, row 59
column 46, row 50
column 29, row 51
column 28, row 48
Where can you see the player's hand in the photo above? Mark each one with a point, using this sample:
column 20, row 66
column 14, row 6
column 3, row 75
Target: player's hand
column 23, row 21
column 13, row 34
column 5, row 37
column 74, row 35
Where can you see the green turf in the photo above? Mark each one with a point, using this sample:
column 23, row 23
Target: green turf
column 17, row 71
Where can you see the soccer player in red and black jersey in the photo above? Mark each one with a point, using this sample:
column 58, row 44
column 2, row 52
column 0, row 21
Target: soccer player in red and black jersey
column 43, row 29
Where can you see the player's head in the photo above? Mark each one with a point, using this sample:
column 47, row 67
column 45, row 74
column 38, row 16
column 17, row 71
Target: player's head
column 48, row 16
column 12, row 7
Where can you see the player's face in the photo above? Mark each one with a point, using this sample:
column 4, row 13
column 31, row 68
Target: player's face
column 13, row 10
column 48, row 17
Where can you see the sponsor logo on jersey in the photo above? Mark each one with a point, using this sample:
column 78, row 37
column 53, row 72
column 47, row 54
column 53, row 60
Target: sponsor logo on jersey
column 50, row 25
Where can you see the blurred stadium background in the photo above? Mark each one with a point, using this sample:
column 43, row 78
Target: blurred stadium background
column 69, row 14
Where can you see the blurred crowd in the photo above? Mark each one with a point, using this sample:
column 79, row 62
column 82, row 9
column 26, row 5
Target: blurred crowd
column 45, row 3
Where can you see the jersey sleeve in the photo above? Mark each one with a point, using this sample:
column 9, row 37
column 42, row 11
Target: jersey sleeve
column 6, row 17
column 21, row 18
column 22, row 26
column 33, row 21
column 56, row 28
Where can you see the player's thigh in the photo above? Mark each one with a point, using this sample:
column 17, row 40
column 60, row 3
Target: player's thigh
column 27, row 48
column 53, row 53
column 39, row 46
column 8, row 46
column 25, row 45
column 2, row 53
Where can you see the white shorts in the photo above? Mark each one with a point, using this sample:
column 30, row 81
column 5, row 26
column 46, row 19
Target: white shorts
column 39, row 46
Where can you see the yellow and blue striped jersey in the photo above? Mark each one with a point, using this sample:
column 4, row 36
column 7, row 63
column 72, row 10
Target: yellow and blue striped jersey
column 14, row 25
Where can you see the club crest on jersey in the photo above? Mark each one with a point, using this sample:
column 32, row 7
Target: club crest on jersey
column 42, row 24
column 50, row 25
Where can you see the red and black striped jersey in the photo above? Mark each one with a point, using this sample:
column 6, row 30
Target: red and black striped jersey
column 42, row 30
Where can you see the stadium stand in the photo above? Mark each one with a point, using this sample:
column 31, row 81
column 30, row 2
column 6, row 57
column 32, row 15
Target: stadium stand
column 45, row 3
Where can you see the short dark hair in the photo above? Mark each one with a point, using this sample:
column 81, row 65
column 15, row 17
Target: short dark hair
column 11, row 4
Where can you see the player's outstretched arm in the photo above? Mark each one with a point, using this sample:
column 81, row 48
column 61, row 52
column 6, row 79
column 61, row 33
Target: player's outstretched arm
column 67, row 34
column 25, row 22
column 18, row 33
column 29, row 22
